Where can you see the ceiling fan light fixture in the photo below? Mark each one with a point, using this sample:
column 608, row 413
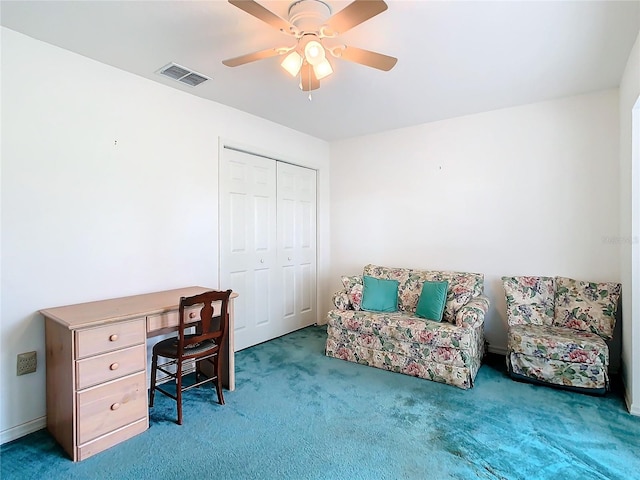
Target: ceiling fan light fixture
column 322, row 69
column 309, row 23
column 292, row 63
column 314, row 52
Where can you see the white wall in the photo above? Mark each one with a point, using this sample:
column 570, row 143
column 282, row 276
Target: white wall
column 526, row 190
column 630, row 225
column 109, row 188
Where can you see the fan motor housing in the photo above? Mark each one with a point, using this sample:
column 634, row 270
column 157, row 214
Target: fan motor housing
column 308, row 15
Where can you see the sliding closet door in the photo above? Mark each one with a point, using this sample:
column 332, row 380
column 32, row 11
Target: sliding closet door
column 248, row 252
column 297, row 244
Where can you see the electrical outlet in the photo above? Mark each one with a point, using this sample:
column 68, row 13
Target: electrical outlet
column 27, row 363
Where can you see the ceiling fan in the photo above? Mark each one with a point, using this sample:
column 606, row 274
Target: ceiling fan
column 313, row 27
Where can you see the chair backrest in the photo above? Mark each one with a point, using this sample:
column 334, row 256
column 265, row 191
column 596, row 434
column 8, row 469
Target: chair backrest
column 208, row 327
column 587, row 306
column 530, row 300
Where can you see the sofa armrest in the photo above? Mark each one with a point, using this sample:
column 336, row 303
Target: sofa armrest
column 341, row 300
column 472, row 314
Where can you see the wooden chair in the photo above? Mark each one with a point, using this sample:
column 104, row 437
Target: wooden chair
column 205, row 344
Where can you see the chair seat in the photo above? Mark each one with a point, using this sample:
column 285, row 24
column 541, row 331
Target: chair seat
column 169, row 348
column 558, row 343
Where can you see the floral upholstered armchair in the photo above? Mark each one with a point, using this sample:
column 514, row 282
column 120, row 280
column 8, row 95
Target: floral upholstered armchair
column 557, row 331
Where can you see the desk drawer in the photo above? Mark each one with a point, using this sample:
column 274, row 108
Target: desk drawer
column 109, row 366
column 110, row 406
column 172, row 319
column 109, row 440
column 114, row 336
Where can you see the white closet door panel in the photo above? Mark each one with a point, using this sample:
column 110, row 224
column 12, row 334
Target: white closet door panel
column 248, row 253
column 262, row 224
column 286, row 246
column 306, row 247
column 261, row 297
column 238, row 214
column 307, row 286
column 306, row 229
column 287, row 215
column 297, row 242
column 288, row 290
column 239, row 282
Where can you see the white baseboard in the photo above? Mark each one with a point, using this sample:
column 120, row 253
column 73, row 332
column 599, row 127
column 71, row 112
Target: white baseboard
column 16, row 432
column 633, row 409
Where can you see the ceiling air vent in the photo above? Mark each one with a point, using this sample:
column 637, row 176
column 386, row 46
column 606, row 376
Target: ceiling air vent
column 182, row 75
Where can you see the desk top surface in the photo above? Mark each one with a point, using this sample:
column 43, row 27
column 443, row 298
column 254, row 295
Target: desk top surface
column 104, row 311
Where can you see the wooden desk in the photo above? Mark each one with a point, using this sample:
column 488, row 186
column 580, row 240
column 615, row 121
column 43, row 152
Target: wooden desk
column 97, row 366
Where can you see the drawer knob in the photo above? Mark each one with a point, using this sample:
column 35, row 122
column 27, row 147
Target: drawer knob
column 114, row 366
column 192, row 315
column 115, row 406
column 113, row 337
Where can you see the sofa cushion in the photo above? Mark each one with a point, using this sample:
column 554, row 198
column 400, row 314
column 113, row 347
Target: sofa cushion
column 558, row 343
column 379, row 295
column 341, row 301
column 404, row 327
column 408, row 285
column 530, row 300
column 472, row 314
column 432, row 300
column 586, row 306
column 462, row 286
column 353, row 286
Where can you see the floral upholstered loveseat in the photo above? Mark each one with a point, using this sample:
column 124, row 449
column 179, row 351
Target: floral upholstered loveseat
column 449, row 351
column 557, row 331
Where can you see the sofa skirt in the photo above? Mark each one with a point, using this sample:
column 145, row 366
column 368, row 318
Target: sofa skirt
column 584, row 377
column 440, row 364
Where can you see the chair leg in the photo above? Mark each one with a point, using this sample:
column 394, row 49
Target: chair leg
column 152, row 390
column 218, row 371
column 179, row 390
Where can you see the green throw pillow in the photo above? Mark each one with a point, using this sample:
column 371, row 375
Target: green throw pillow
column 432, row 300
column 379, row 295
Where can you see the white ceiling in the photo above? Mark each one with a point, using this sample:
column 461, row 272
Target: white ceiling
column 455, row 58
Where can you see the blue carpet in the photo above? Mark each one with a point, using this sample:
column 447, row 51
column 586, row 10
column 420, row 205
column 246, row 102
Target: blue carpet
column 297, row 414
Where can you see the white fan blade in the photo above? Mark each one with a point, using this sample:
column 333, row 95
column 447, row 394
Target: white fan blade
column 368, row 58
column 354, row 14
column 267, row 16
column 252, row 57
